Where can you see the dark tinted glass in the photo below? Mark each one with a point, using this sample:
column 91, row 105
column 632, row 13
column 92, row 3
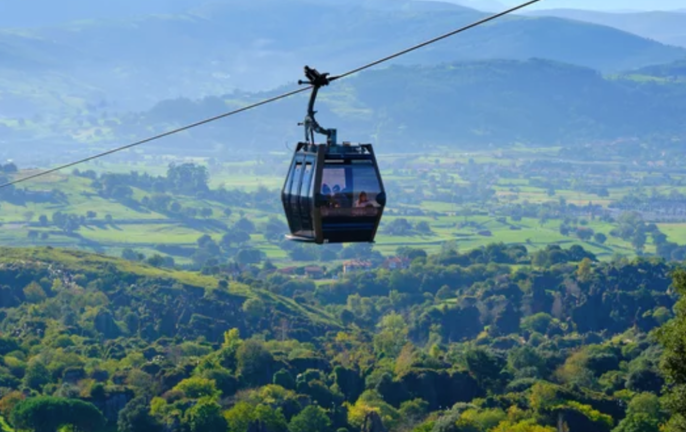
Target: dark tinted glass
column 307, row 176
column 350, row 190
column 295, row 179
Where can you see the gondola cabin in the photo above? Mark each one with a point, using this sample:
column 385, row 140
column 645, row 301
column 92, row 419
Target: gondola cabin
column 333, row 194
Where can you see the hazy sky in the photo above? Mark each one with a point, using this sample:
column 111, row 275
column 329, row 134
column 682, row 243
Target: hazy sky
column 606, row 4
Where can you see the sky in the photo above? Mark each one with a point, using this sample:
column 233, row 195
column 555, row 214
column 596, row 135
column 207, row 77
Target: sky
column 606, row 5
column 598, row 5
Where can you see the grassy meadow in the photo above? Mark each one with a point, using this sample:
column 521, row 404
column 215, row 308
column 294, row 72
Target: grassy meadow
column 461, row 225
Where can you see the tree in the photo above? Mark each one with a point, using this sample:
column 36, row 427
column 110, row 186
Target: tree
column 135, row 417
column 284, row 379
column 539, row 323
column 254, row 363
column 273, row 419
column 43, row 220
column 638, row 241
column 249, row 256
column 188, row 178
column 205, row 416
column 392, row 335
column 10, row 168
column 507, row 321
column 485, row 367
column 240, row 416
column 237, row 237
column 34, row 293
column 197, row 387
column 414, row 410
column 48, row 414
column 245, row 225
column 600, row 238
column 275, row 229
column 638, row 423
column 584, row 270
column 564, row 230
column 584, row 234
column 423, row 227
column 644, row 414
column 131, row 255
column 673, row 362
column 9, row 401
column 398, row 227
column 37, row 375
column 254, row 308
column 311, row 419
column 659, row 238
column 525, row 357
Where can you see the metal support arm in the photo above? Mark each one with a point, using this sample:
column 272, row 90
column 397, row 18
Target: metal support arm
column 316, row 80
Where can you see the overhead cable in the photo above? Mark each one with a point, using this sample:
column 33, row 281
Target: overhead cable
column 270, row 100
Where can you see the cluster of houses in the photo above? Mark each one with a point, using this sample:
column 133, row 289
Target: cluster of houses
column 350, row 266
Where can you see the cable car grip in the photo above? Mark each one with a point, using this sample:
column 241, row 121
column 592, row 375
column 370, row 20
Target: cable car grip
column 316, row 80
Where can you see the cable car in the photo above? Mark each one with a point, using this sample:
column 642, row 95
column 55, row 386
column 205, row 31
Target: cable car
column 333, row 192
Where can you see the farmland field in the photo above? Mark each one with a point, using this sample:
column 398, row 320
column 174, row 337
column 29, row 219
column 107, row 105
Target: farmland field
column 468, row 200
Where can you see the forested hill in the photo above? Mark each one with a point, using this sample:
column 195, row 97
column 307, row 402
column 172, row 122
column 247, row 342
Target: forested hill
column 495, row 102
column 496, row 339
column 674, row 71
column 137, row 61
column 159, row 303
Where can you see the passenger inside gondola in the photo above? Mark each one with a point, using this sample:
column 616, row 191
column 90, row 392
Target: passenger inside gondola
column 340, row 198
column 364, row 202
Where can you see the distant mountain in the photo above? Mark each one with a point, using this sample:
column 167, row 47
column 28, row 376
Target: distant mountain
column 260, row 44
column 665, row 27
column 483, row 5
column 36, row 13
column 674, row 70
column 499, row 102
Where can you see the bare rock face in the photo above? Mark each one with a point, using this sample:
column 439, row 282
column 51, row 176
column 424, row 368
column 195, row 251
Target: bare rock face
column 373, row 423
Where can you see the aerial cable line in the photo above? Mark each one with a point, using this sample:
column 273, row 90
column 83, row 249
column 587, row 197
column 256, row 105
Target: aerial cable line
column 156, row 137
column 273, row 99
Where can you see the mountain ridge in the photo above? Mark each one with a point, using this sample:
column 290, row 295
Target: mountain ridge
column 460, row 104
column 216, row 49
column 668, row 27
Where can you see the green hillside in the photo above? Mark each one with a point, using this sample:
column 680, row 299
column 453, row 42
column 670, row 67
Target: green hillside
column 183, row 297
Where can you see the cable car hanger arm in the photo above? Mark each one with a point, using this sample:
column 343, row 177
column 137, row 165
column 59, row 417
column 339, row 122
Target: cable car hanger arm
column 315, row 79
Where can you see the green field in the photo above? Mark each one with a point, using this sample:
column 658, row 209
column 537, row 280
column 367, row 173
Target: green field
column 464, row 225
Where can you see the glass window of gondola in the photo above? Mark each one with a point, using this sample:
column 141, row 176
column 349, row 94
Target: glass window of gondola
column 350, row 190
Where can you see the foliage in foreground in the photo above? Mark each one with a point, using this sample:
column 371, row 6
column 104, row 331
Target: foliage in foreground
column 455, row 342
